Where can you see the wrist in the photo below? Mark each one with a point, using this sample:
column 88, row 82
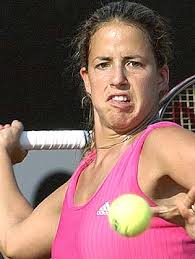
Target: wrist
column 4, row 153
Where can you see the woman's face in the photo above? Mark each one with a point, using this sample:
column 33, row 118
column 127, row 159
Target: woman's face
column 122, row 77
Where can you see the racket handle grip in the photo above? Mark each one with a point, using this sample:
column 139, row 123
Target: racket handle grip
column 53, row 139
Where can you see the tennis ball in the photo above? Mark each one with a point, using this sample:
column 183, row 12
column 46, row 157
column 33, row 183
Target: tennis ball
column 129, row 215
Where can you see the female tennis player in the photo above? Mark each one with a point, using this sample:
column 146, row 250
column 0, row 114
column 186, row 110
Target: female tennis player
column 122, row 52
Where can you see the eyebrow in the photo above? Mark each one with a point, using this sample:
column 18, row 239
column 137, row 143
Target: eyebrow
column 102, row 58
column 109, row 58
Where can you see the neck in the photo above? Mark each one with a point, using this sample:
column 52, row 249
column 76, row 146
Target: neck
column 106, row 138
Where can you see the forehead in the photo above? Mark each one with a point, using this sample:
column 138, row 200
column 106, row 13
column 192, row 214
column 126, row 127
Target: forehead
column 119, row 37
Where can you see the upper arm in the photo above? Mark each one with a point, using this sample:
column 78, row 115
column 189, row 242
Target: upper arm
column 32, row 238
column 174, row 147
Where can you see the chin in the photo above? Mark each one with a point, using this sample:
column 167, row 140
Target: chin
column 125, row 125
column 120, row 126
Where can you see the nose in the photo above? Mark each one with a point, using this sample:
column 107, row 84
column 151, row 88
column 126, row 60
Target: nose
column 118, row 78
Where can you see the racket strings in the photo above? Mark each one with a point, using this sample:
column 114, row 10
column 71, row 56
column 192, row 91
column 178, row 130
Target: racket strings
column 181, row 109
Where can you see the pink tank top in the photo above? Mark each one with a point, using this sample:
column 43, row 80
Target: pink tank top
column 84, row 231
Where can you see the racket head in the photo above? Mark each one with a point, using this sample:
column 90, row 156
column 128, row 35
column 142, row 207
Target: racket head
column 179, row 104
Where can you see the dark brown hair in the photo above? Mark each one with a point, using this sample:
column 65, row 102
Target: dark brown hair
column 156, row 27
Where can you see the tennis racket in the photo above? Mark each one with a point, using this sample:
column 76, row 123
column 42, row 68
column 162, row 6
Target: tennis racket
column 177, row 106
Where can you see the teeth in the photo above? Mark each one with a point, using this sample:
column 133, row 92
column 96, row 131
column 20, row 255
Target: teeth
column 120, row 98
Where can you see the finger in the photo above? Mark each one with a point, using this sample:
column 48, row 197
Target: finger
column 6, row 126
column 18, row 125
column 190, row 198
column 156, row 211
column 186, row 213
column 165, row 211
column 186, row 208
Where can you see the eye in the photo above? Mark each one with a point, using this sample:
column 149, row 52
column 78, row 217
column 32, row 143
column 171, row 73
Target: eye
column 134, row 64
column 102, row 65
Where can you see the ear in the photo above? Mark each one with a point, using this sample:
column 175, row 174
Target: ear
column 163, row 81
column 85, row 77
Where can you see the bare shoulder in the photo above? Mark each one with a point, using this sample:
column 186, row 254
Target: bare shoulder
column 173, row 141
column 174, row 149
column 172, row 133
column 38, row 230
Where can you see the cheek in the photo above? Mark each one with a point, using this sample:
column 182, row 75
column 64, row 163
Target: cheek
column 147, row 92
column 99, row 78
column 97, row 95
column 98, row 88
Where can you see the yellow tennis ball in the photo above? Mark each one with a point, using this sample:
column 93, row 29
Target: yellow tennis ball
column 129, row 215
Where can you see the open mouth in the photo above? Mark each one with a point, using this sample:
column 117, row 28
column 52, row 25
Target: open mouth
column 121, row 102
column 120, row 98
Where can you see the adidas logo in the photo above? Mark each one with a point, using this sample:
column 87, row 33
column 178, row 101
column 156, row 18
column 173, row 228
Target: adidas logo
column 103, row 210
